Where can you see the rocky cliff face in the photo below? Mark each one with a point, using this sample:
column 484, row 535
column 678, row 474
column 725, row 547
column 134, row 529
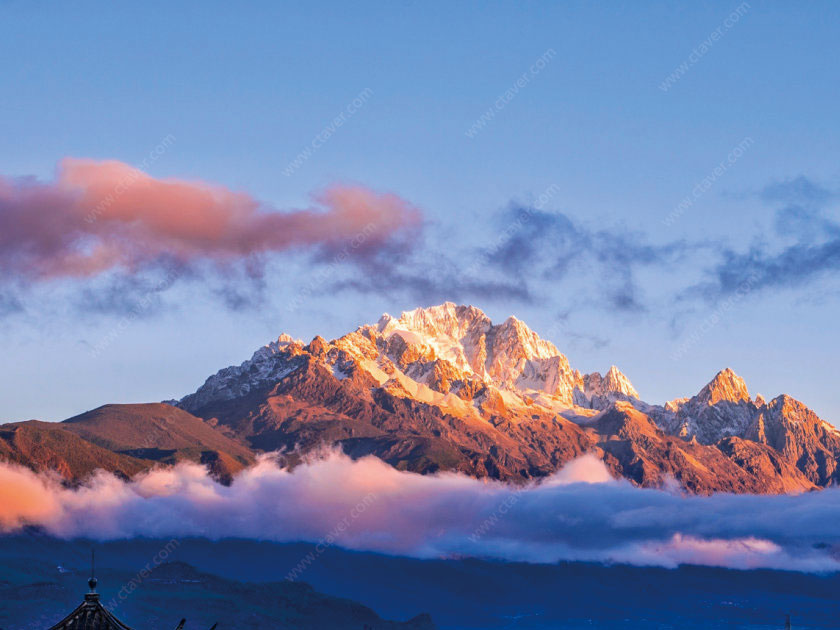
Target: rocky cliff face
column 722, row 408
column 796, row 432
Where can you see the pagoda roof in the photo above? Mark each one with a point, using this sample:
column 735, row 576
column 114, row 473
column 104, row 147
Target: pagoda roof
column 90, row 615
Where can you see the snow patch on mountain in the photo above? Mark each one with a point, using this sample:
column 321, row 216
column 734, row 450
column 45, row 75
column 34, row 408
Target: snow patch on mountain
column 508, row 356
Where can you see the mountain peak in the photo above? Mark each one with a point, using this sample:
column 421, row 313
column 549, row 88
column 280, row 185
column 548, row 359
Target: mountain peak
column 447, row 319
column 616, row 381
column 529, row 343
column 607, row 386
column 725, row 386
column 466, row 337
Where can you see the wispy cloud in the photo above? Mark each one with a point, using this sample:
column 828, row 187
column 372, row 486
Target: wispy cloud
column 806, row 246
column 550, row 245
column 358, row 240
column 434, row 276
column 796, row 190
column 532, row 250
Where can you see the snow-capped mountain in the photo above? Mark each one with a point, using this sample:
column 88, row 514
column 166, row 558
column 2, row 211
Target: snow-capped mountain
column 444, row 388
column 444, row 354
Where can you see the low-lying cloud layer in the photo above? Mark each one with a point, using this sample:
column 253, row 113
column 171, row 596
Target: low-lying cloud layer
column 578, row 514
column 104, row 216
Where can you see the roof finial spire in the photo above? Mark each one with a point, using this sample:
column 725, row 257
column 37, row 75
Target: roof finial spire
column 92, row 580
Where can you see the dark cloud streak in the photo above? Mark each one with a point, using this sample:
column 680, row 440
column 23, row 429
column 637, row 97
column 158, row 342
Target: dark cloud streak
column 813, row 253
column 552, row 244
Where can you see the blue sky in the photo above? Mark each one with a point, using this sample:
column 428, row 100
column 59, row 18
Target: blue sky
column 242, row 90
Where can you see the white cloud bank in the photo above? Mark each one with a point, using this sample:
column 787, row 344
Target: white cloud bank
column 580, row 513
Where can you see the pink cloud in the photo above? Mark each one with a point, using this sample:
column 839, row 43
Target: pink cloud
column 580, row 514
column 746, row 552
column 26, row 497
column 585, row 469
column 101, row 216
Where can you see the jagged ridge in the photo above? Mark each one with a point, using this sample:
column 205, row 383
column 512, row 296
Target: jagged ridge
column 446, row 388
